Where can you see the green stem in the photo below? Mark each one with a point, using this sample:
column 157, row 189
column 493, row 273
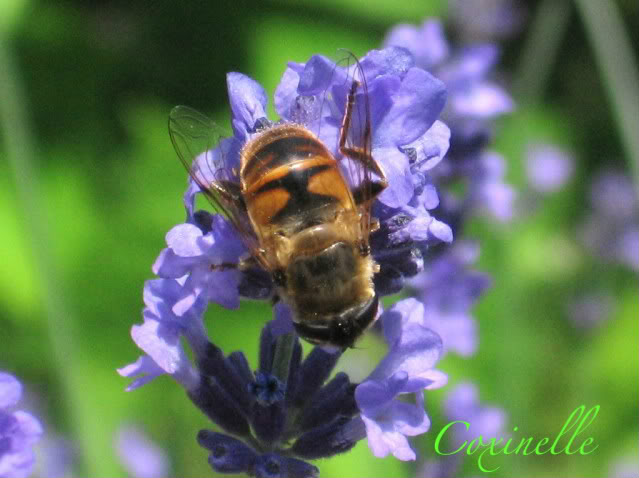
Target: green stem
column 20, row 153
column 618, row 67
column 283, row 353
column 540, row 50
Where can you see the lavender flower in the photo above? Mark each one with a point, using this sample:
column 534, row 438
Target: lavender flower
column 627, row 467
column 140, row 456
column 612, row 229
column 463, row 404
column 548, row 167
column 590, row 310
column 406, row 369
column 287, row 411
column 405, row 102
column 487, row 19
column 408, row 141
column 19, row 431
column 159, row 336
column 449, row 289
column 56, row 457
column 466, row 72
column 474, row 101
column 278, row 417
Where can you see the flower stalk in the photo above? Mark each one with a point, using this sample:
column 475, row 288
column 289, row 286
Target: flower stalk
column 283, row 353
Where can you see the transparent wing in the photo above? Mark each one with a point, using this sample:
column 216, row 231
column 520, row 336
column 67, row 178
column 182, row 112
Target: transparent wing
column 366, row 176
column 195, row 138
column 208, row 156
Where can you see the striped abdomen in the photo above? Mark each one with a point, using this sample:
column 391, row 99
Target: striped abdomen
column 290, row 181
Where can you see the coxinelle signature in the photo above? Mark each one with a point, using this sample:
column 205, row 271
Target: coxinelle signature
column 566, row 441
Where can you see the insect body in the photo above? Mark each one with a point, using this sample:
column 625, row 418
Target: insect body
column 301, row 219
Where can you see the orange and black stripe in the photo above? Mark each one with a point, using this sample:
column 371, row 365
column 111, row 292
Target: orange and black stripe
column 280, row 152
column 293, row 179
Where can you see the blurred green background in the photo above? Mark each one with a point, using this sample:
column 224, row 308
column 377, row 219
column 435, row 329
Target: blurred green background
column 94, row 186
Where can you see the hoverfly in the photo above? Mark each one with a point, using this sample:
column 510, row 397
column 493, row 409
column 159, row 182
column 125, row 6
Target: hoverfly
column 304, row 219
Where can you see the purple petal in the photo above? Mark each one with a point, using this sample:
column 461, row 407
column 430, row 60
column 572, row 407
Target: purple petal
column 189, row 197
column 463, row 403
column 440, row 230
column 10, row 390
column 186, row 240
column 319, row 72
column 18, row 464
column 161, row 343
column 57, row 456
column 472, row 64
column 628, row 247
column 248, row 102
column 171, row 266
column 626, row 467
column 548, row 168
column 397, row 169
column 286, row 93
column 30, row 429
column 195, row 285
column 373, row 396
column 482, row 100
column 389, row 61
column 19, row 431
column 427, row 44
column 225, row 244
column 387, row 420
column 429, row 197
column 145, row 368
column 430, row 148
column 416, row 353
column 419, row 228
column 222, row 288
column 499, row 19
column 414, row 349
column 458, row 332
column 214, row 165
column 410, row 419
column 496, row 198
column 489, row 424
column 158, row 293
column 407, row 311
column 384, row 439
column 140, row 456
column 416, row 106
column 381, row 96
column 169, row 300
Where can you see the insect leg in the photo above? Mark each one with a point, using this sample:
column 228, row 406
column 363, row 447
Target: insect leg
column 369, row 189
